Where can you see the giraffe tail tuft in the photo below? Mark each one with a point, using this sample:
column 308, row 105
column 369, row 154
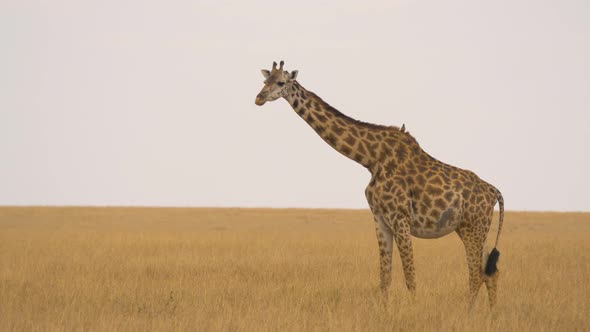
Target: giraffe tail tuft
column 491, row 267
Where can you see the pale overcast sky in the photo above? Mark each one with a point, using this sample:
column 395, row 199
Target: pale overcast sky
column 152, row 102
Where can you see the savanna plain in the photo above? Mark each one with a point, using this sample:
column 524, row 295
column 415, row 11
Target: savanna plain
column 265, row 269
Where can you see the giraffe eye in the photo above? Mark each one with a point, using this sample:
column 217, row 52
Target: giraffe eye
column 281, row 83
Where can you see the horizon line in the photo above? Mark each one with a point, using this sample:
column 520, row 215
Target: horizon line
column 239, row 207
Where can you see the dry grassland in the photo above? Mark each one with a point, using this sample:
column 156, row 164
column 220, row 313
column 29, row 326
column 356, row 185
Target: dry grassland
column 256, row 269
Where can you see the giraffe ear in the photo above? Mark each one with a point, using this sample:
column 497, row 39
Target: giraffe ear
column 293, row 75
column 265, row 73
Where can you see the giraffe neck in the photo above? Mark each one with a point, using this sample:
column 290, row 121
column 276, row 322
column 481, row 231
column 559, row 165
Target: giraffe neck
column 362, row 142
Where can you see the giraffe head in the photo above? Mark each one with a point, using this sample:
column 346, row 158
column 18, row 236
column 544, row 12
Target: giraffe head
column 276, row 83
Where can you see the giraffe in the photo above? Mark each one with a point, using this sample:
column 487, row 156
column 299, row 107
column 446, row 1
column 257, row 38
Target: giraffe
column 410, row 192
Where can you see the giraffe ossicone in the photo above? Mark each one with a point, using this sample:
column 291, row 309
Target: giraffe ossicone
column 410, row 192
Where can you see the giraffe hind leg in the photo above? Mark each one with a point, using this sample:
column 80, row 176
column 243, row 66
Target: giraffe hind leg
column 473, row 249
column 491, row 276
column 492, row 286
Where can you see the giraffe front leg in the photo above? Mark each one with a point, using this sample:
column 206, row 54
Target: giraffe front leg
column 385, row 240
column 403, row 240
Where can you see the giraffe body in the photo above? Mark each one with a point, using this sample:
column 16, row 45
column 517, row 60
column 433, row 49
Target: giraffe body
column 410, row 192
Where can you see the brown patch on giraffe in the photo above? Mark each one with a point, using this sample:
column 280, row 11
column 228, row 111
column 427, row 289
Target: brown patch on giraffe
column 401, row 153
column 424, row 209
column 434, row 213
column 417, row 192
column 434, row 191
column 401, row 171
column 390, row 141
column 436, row 181
column 449, row 196
column 346, row 150
column 321, row 118
column 466, row 194
column 337, row 129
column 372, row 148
column 439, row 203
column 350, row 140
column 420, row 179
column 331, row 139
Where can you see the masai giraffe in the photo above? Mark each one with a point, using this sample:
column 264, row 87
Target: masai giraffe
column 410, row 192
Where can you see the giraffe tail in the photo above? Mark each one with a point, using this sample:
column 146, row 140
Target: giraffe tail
column 494, row 255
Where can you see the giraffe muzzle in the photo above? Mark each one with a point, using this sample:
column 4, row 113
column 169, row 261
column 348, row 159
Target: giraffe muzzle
column 261, row 99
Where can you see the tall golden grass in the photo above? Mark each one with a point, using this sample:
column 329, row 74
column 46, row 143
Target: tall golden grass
column 262, row 269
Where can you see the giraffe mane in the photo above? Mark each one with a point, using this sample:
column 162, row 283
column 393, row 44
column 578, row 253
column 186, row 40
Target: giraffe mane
column 392, row 129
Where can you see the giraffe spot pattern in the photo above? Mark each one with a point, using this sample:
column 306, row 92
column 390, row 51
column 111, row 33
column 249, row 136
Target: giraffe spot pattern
column 410, row 192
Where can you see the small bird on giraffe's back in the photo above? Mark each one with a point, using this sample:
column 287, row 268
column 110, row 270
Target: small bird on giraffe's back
column 410, row 192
